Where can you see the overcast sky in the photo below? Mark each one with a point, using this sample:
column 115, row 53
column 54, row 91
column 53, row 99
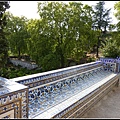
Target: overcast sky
column 29, row 8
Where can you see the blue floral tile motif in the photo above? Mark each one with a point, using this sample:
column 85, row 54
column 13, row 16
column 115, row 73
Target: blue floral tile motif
column 109, row 67
column 43, row 98
column 13, row 101
column 50, row 77
column 110, row 63
column 7, row 117
column 3, row 91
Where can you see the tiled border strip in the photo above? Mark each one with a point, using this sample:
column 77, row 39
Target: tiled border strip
column 15, row 100
column 8, row 114
column 63, row 79
column 50, row 76
column 93, row 99
column 66, row 107
column 90, row 100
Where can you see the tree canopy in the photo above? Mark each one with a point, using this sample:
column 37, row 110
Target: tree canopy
column 63, row 31
column 101, row 22
column 3, row 41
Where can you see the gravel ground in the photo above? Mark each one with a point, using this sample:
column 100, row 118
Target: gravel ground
column 108, row 107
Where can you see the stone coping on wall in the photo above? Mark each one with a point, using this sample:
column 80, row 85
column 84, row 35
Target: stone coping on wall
column 50, row 113
column 7, row 86
column 13, row 96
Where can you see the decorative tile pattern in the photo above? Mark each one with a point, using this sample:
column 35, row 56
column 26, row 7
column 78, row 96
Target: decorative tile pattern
column 110, row 61
column 49, row 89
column 16, row 101
column 81, row 105
column 110, row 67
column 54, row 76
column 7, row 115
column 45, row 97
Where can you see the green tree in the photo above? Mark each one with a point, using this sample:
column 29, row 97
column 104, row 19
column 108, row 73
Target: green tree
column 116, row 34
column 111, row 49
column 17, row 34
column 101, row 22
column 117, row 14
column 81, row 23
column 3, row 40
column 117, row 8
column 112, row 46
column 67, row 28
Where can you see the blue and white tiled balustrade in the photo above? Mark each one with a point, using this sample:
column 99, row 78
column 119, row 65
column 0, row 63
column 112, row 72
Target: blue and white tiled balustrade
column 38, row 93
column 54, row 75
column 53, row 87
column 43, row 97
column 110, row 63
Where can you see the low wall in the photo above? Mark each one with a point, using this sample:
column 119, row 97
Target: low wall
column 111, row 60
column 24, row 64
column 43, row 83
column 29, row 88
column 13, row 99
column 79, row 103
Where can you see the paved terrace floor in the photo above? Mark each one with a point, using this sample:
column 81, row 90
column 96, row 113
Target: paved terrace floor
column 108, row 107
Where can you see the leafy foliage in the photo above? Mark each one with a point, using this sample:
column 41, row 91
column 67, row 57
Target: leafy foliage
column 117, row 8
column 68, row 28
column 101, row 22
column 111, row 49
column 3, row 40
column 17, row 34
column 12, row 71
column 63, row 31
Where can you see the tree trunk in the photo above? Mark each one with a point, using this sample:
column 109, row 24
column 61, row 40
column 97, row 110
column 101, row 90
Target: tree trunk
column 18, row 53
column 98, row 44
column 62, row 61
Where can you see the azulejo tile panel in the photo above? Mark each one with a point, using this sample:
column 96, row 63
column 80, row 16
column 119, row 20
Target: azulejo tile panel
column 47, row 90
column 37, row 80
column 50, row 89
column 15, row 101
column 45, row 97
column 110, row 66
column 110, row 62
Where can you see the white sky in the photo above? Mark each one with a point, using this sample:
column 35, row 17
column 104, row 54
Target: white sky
column 29, row 8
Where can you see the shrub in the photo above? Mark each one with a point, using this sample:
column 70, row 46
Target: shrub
column 110, row 49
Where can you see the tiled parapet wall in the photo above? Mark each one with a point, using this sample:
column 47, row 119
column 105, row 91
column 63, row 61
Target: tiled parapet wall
column 13, row 99
column 49, row 90
column 35, row 80
column 112, row 60
column 108, row 66
column 86, row 99
column 50, row 94
column 62, row 98
column 111, row 64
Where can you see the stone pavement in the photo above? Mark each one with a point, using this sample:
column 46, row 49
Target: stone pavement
column 108, row 107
